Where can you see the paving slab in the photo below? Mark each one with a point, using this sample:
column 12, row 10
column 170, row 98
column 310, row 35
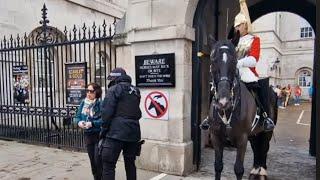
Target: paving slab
column 288, row 158
column 21, row 161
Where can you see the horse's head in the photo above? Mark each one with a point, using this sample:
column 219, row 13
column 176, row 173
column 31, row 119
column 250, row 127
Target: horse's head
column 223, row 71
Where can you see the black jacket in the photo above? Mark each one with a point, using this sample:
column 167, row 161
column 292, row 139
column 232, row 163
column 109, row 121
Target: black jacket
column 120, row 111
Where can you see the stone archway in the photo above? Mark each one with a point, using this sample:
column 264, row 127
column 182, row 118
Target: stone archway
column 209, row 19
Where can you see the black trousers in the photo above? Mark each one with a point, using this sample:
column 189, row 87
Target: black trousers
column 261, row 90
column 95, row 160
column 110, row 154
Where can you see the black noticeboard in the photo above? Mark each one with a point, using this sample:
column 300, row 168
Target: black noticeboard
column 155, row 70
column 76, row 80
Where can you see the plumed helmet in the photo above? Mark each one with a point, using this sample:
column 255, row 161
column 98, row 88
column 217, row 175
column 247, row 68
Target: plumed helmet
column 116, row 73
column 240, row 18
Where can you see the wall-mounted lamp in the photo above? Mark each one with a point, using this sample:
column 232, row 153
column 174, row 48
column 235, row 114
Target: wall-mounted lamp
column 275, row 64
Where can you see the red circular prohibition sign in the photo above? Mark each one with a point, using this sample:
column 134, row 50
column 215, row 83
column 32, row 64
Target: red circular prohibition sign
column 162, row 111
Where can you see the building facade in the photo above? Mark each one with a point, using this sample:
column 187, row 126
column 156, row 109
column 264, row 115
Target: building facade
column 18, row 17
column 287, row 52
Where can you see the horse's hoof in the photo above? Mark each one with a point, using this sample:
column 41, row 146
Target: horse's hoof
column 254, row 174
column 253, row 177
column 263, row 174
column 263, row 177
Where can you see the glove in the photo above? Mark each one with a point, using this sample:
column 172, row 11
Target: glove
column 239, row 64
column 88, row 125
column 81, row 124
column 248, row 61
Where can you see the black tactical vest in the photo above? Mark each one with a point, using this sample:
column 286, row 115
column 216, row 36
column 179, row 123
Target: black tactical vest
column 128, row 104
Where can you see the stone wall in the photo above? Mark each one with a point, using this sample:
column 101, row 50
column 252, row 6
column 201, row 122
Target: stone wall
column 158, row 27
column 18, row 17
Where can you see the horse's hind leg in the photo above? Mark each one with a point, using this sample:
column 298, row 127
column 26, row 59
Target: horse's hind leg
column 241, row 150
column 218, row 151
column 255, row 142
column 264, row 148
column 260, row 146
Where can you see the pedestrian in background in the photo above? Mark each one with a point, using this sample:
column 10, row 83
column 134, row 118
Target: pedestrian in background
column 277, row 90
column 120, row 128
column 297, row 94
column 288, row 95
column 88, row 118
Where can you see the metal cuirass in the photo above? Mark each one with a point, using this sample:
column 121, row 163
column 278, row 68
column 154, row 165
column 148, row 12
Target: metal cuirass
column 244, row 46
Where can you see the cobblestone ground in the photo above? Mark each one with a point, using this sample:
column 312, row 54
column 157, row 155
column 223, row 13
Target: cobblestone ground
column 285, row 163
column 288, row 157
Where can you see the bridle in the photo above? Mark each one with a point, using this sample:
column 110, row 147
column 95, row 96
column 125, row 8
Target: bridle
column 234, row 98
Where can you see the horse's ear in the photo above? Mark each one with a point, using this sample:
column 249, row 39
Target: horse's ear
column 211, row 41
column 234, row 37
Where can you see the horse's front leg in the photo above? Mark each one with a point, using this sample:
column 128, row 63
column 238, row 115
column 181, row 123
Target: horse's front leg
column 241, row 150
column 218, row 151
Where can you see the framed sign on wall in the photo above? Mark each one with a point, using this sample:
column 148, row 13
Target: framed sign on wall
column 155, row 70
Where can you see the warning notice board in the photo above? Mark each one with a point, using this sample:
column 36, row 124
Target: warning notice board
column 156, row 105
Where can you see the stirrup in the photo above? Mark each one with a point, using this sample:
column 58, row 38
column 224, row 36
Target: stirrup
column 205, row 124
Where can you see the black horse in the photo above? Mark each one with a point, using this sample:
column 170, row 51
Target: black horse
column 233, row 113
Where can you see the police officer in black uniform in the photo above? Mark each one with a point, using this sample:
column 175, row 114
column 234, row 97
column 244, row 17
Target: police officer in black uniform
column 120, row 114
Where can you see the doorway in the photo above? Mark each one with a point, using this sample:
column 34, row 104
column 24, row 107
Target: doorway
column 210, row 19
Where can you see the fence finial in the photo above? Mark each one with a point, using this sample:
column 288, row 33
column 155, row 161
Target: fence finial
column 44, row 20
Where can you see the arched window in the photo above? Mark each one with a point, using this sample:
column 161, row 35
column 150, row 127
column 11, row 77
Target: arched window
column 42, row 57
column 304, row 78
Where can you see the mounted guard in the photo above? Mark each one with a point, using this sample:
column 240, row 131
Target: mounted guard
column 242, row 104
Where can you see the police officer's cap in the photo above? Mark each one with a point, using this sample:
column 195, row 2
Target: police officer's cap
column 115, row 73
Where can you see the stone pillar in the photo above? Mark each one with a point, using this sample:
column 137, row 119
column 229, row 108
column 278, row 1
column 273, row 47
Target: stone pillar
column 159, row 27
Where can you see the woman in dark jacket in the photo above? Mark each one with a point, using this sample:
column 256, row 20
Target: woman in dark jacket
column 88, row 118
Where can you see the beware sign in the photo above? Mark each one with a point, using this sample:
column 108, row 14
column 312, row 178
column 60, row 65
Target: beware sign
column 156, row 105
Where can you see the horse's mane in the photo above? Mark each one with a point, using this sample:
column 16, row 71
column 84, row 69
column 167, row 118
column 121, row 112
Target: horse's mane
column 217, row 46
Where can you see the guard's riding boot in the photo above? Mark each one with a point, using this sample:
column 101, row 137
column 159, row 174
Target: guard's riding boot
column 264, row 102
column 268, row 124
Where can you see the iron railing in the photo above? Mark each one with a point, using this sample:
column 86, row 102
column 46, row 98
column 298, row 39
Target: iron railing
column 33, row 105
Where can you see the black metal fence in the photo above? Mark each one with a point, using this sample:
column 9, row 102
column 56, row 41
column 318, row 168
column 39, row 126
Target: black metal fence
column 33, row 105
